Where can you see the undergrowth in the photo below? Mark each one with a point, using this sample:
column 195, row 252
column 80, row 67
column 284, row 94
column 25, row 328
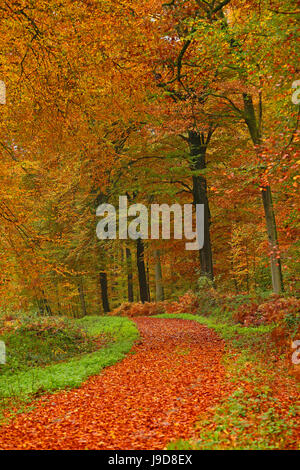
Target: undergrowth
column 30, row 382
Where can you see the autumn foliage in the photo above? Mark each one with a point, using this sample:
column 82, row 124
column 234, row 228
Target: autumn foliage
column 188, row 303
column 137, row 309
column 94, row 111
column 272, row 311
column 164, row 102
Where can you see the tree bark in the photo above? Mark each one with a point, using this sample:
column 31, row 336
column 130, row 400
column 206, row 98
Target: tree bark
column 275, row 263
column 81, row 297
column 198, row 147
column 104, row 291
column 129, row 275
column 45, row 305
column 144, row 293
column 148, row 282
column 159, row 289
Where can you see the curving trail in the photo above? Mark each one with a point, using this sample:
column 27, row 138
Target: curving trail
column 152, row 397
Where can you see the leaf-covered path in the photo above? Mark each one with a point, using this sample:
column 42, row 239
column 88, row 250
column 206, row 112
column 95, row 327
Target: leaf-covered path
column 152, row 397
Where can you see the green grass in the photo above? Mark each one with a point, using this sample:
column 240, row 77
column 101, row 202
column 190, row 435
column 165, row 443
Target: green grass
column 233, row 428
column 71, row 373
column 33, row 341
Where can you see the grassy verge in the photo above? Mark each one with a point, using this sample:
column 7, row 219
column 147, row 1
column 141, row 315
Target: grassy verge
column 261, row 412
column 26, row 384
column 33, row 341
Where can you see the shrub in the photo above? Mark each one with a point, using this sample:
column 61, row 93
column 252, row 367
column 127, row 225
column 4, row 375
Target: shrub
column 188, row 303
column 273, row 311
column 246, row 314
column 207, row 295
column 137, row 309
column 37, row 341
column 71, row 373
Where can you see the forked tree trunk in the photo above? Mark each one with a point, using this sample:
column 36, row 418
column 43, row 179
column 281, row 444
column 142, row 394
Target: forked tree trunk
column 198, row 147
column 129, row 275
column 159, row 289
column 104, row 291
column 144, row 293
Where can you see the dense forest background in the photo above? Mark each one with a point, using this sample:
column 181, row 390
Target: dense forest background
column 185, row 101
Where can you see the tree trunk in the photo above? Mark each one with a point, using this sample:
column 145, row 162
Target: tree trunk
column 81, row 297
column 254, row 129
column 148, row 282
column 104, row 291
column 57, row 299
column 129, row 275
column 40, row 305
column 45, row 305
column 198, row 148
column 141, row 271
column 159, row 290
column 275, row 262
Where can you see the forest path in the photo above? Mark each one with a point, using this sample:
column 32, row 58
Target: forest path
column 152, row 397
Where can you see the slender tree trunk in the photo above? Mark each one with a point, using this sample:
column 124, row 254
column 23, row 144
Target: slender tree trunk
column 159, row 290
column 275, row 262
column 148, row 282
column 46, row 305
column 104, row 291
column 144, row 293
column 40, row 306
column 234, row 278
column 81, row 297
column 253, row 121
column 129, row 275
column 254, row 126
column 57, row 299
column 198, row 148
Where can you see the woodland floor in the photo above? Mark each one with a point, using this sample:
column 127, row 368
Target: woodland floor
column 154, row 396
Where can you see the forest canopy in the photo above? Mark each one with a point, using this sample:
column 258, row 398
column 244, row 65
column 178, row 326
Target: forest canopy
column 186, row 102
